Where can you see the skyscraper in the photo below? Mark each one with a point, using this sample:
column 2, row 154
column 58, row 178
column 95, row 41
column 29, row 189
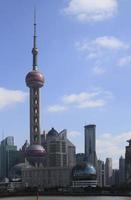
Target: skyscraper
column 128, row 162
column 90, row 144
column 115, row 177
column 8, row 156
column 71, row 153
column 35, row 80
column 108, row 171
column 56, row 149
column 60, row 151
column 121, row 170
column 101, row 173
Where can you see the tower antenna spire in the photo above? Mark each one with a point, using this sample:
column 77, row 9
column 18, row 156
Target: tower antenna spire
column 34, row 21
column 35, row 49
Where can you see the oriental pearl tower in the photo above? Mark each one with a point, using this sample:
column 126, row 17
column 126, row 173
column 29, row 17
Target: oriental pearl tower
column 35, row 80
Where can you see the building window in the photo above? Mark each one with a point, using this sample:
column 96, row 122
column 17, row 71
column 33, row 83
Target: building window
column 36, row 111
column 36, row 102
column 35, row 92
column 36, row 120
column 36, row 129
column 63, row 147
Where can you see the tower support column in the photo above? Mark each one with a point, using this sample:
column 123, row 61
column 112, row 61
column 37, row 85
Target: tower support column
column 34, row 116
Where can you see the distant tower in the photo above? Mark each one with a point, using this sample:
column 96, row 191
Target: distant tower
column 121, row 170
column 101, row 173
column 108, row 171
column 90, row 144
column 35, row 80
column 128, row 162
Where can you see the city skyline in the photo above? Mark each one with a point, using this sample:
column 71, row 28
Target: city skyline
column 75, row 41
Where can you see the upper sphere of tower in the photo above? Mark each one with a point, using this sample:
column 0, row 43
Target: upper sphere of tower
column 34, row 79
column 34, row 51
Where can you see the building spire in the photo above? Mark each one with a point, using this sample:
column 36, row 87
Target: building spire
column 35, row 50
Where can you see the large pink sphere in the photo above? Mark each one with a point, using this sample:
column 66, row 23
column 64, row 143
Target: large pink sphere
column 35, row 153
column 35, row 150
column 34, row 79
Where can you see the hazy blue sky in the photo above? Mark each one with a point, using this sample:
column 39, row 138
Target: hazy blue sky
column 85, row 55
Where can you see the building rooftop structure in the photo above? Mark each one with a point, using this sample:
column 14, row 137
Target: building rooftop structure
column 84, row 175
column 52, row 132
column 84, row 171
column 16, row 171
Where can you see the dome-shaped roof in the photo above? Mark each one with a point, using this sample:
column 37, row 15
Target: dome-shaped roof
column 84, row 171
column 52, row 132
column 90, row 169
column 20, row 166
column 35, row 79
column 35, row 150
column 16, row 171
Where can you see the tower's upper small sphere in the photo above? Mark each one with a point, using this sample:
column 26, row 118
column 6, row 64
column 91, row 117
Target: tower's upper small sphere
column 35, row 79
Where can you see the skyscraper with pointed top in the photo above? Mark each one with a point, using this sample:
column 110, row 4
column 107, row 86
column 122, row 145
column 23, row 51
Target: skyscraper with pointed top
column 35, row 80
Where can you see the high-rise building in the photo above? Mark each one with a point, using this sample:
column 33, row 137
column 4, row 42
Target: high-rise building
column 90, row 144
column 115, row 177
column 43, row 139
column 35, row 80
column 100, row 173
column 60, row 151
column 9, row 156
column 108, row 172
column 71, row 153
column 121, row 170
column 128, row 162
column 56, row 149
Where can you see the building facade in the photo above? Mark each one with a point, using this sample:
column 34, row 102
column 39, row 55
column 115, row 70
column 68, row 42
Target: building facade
column 80, row 158
column 51, row 177
column 71, row 154
column 100, row 173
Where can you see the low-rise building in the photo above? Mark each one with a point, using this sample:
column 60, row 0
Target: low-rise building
column 51, row 177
